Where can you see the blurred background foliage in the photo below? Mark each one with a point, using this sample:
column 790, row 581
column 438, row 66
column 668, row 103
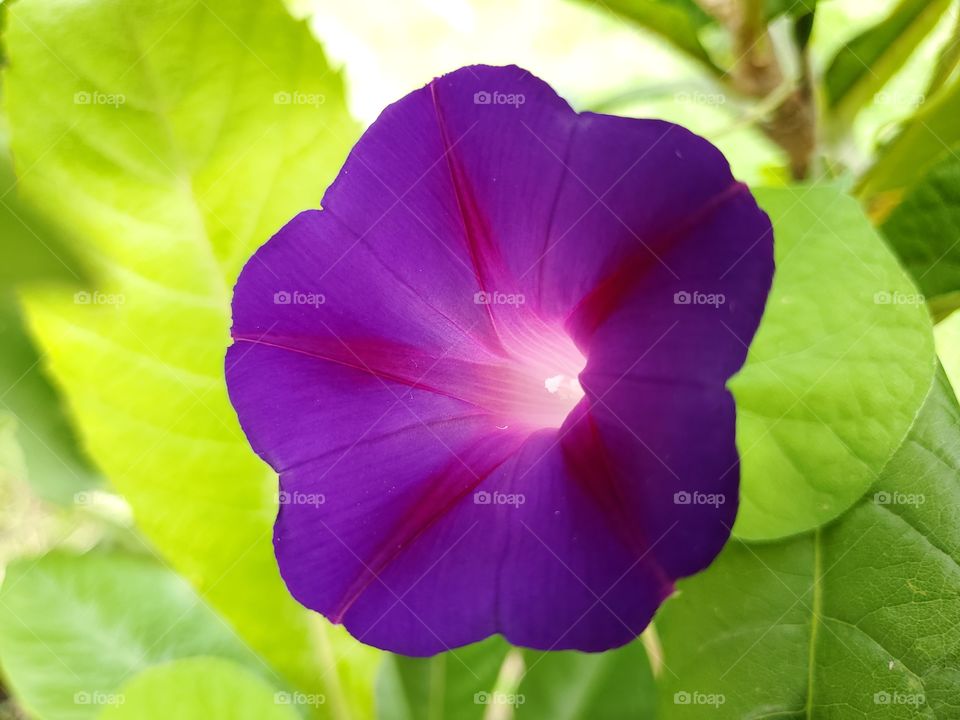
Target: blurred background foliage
column 148, row 147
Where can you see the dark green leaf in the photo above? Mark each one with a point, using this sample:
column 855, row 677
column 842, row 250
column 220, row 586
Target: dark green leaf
column 924, row 230
column 857, row 619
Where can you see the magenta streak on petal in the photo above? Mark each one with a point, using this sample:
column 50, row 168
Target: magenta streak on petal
column 589, row 463
column 527, row 393
column 415, row 426
column 483, row 252
column 468, row 334
column 594, row 308
column 456, row 481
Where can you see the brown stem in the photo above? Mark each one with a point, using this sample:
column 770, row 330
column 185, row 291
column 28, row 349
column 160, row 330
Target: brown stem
column 757, row 73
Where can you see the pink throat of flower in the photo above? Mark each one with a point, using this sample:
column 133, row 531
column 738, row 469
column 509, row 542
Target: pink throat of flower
column 541, row 385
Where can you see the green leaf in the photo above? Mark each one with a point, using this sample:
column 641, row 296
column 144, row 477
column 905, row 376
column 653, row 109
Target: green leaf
column 52, row 462
column 588, row 686
column 857, row 619
column 174, row 138
column 677, row 21
column 947, row 336
column 75, row 626
column 837, row 372
column 489, row 679
column 200, row 689
column 929, row 135
column 32, row 247
column 924, row 230
column 455, row 685
column 866, row 63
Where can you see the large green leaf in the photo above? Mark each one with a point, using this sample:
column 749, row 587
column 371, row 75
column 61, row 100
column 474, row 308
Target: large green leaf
column 925, row 138
column 857, row 619
column 32, row 247
column 866, row 63
column 174, row 138
column 74, row 628
column 838, row 371
column 203, row 688
column 924, row 230
column 947, row 336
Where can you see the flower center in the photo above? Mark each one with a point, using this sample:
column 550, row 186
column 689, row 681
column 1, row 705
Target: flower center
column 564, row 386
column 544, row 385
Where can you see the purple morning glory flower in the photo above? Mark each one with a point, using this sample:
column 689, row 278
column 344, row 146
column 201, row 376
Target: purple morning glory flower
column 491, row 371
